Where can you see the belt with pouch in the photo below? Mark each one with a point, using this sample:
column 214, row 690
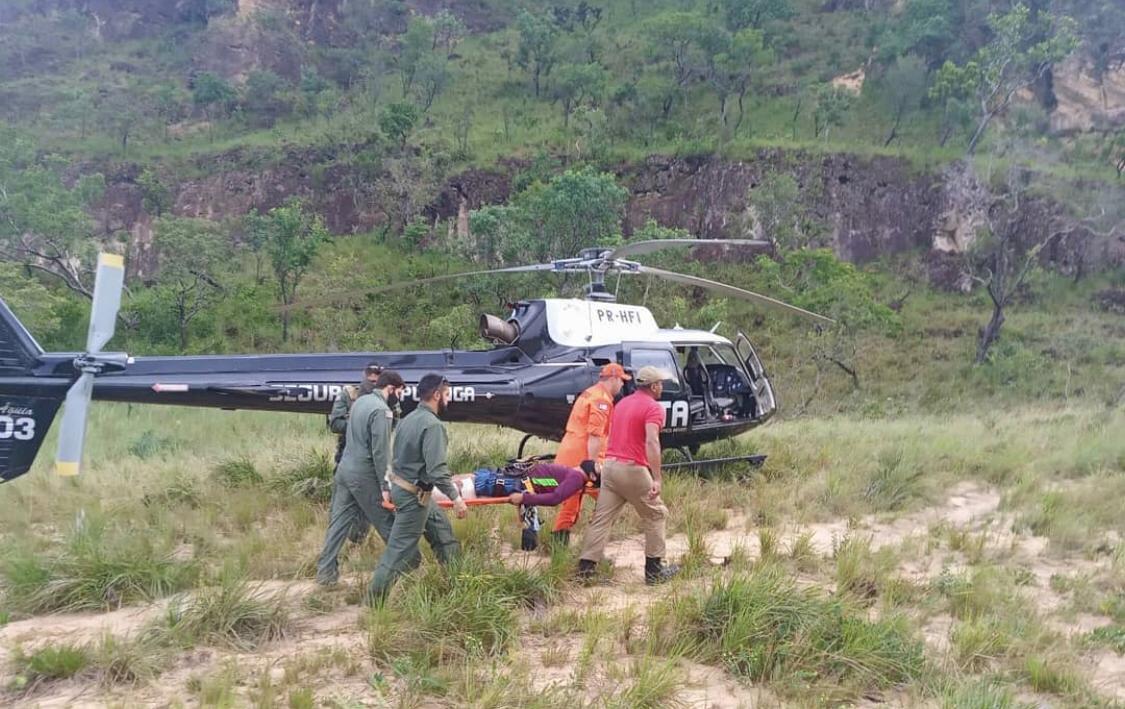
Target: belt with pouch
column 404, row 484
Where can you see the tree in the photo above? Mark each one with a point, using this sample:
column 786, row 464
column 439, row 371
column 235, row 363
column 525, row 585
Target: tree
column 311, row 87
column 740, row 14
column 292, row 238
column 79, row 108
column 926, row 28
column 202, row 11
column 1114, row 151
column 1000, row 260
column 575, row 210
column 575, row 83
column 780, row 215
column 262, row 97
column 904, row 88
column 43, row 222
column 214, row 96
column 448, row 31
column 33, row 303
column 119, row 113
column 397, row 120
column 832, row 106
column 815, row 279
column 431, row 77
column 1022, row 49
column 676, row 38
column 193, row 253
column 156, row 198
column 414, row 45
column 537, row 45
column 167, row 104
column 406, row 186
column 732, row 64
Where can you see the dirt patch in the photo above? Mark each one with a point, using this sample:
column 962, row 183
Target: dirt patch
column 1107, row 674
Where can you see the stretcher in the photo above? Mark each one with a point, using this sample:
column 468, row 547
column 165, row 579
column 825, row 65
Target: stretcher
column 464, row 482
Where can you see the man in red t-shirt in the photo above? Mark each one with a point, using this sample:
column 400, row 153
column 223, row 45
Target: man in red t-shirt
column 631, row 475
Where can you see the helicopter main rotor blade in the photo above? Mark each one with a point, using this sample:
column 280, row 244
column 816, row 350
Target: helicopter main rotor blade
column 735, row 292
column 423, row 281
column 649, row 246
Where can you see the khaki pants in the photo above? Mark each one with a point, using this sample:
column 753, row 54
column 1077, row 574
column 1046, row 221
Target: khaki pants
column 625, row 483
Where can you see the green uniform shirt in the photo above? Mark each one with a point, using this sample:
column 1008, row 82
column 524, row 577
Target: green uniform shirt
column 338, row 418
column 368, row 436
column 421, row 445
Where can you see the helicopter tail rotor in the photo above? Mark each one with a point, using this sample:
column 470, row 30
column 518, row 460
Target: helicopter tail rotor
column 108, row 285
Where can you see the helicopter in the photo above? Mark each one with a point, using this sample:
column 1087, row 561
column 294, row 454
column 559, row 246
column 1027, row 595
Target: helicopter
column 543, row 354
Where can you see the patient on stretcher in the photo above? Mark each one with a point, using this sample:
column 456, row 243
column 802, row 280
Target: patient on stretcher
column 537, row 485
column 527, row 485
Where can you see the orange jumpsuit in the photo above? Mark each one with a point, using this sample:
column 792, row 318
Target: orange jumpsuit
column 589, row 417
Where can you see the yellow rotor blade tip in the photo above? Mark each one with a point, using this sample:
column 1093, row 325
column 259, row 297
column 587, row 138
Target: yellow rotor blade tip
column 68, row 470
column 112, row 260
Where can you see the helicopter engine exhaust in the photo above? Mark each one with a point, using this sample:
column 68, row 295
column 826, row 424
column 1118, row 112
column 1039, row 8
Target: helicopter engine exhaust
column 499, row 331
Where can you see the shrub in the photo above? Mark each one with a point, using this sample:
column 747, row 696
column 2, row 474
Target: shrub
column 468, row 609
column 761, row 626
column 50, row 663
column 94, row 571
column 237, row 472
column 230, row 615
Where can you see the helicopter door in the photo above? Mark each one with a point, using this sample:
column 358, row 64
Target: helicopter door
column 763, row 390
column 674, row 399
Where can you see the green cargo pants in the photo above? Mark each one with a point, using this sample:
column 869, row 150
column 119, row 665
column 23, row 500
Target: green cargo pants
column 360, row 527
column 356, row 499
column 412, row 521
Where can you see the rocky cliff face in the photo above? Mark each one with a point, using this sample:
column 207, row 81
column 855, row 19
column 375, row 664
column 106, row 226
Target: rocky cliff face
column 872, row 206
column 1085, row 102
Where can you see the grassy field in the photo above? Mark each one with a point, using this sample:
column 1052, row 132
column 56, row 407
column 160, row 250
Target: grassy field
column 960, row 560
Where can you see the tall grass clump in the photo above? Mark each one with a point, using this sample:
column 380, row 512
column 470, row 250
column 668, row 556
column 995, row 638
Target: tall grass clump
column 47, row 664
column 96, row 570
column 230, row 615
column 310, row 476
column 761, row 626
column 437, row 616
column 149, row 445
column 237, row 472
column 119, row 661
column 977, row 695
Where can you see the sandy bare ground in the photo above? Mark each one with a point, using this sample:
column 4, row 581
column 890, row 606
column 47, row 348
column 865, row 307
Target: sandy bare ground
column 969, row 507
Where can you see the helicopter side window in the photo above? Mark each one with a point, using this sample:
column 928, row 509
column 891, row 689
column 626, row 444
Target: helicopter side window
column 658, row 358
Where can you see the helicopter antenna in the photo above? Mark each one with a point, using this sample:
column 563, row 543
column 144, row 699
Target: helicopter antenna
column 715, row 326
column 648, row 282
column 617, row 286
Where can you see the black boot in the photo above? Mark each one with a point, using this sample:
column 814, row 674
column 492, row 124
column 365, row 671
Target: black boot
column 656, row 572
column 529, row 540
column 561, row 538
column 586, row 570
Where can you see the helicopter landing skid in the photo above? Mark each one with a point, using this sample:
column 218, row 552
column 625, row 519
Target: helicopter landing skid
column 754, row 461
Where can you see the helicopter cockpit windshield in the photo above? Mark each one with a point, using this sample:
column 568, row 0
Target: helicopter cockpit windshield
column 719, row 385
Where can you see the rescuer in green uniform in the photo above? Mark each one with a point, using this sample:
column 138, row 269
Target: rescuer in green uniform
column 420, row 465
column 338, row 424
column 358, row 491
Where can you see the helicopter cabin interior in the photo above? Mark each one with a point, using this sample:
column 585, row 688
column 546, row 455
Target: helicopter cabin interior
column 710, row 375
